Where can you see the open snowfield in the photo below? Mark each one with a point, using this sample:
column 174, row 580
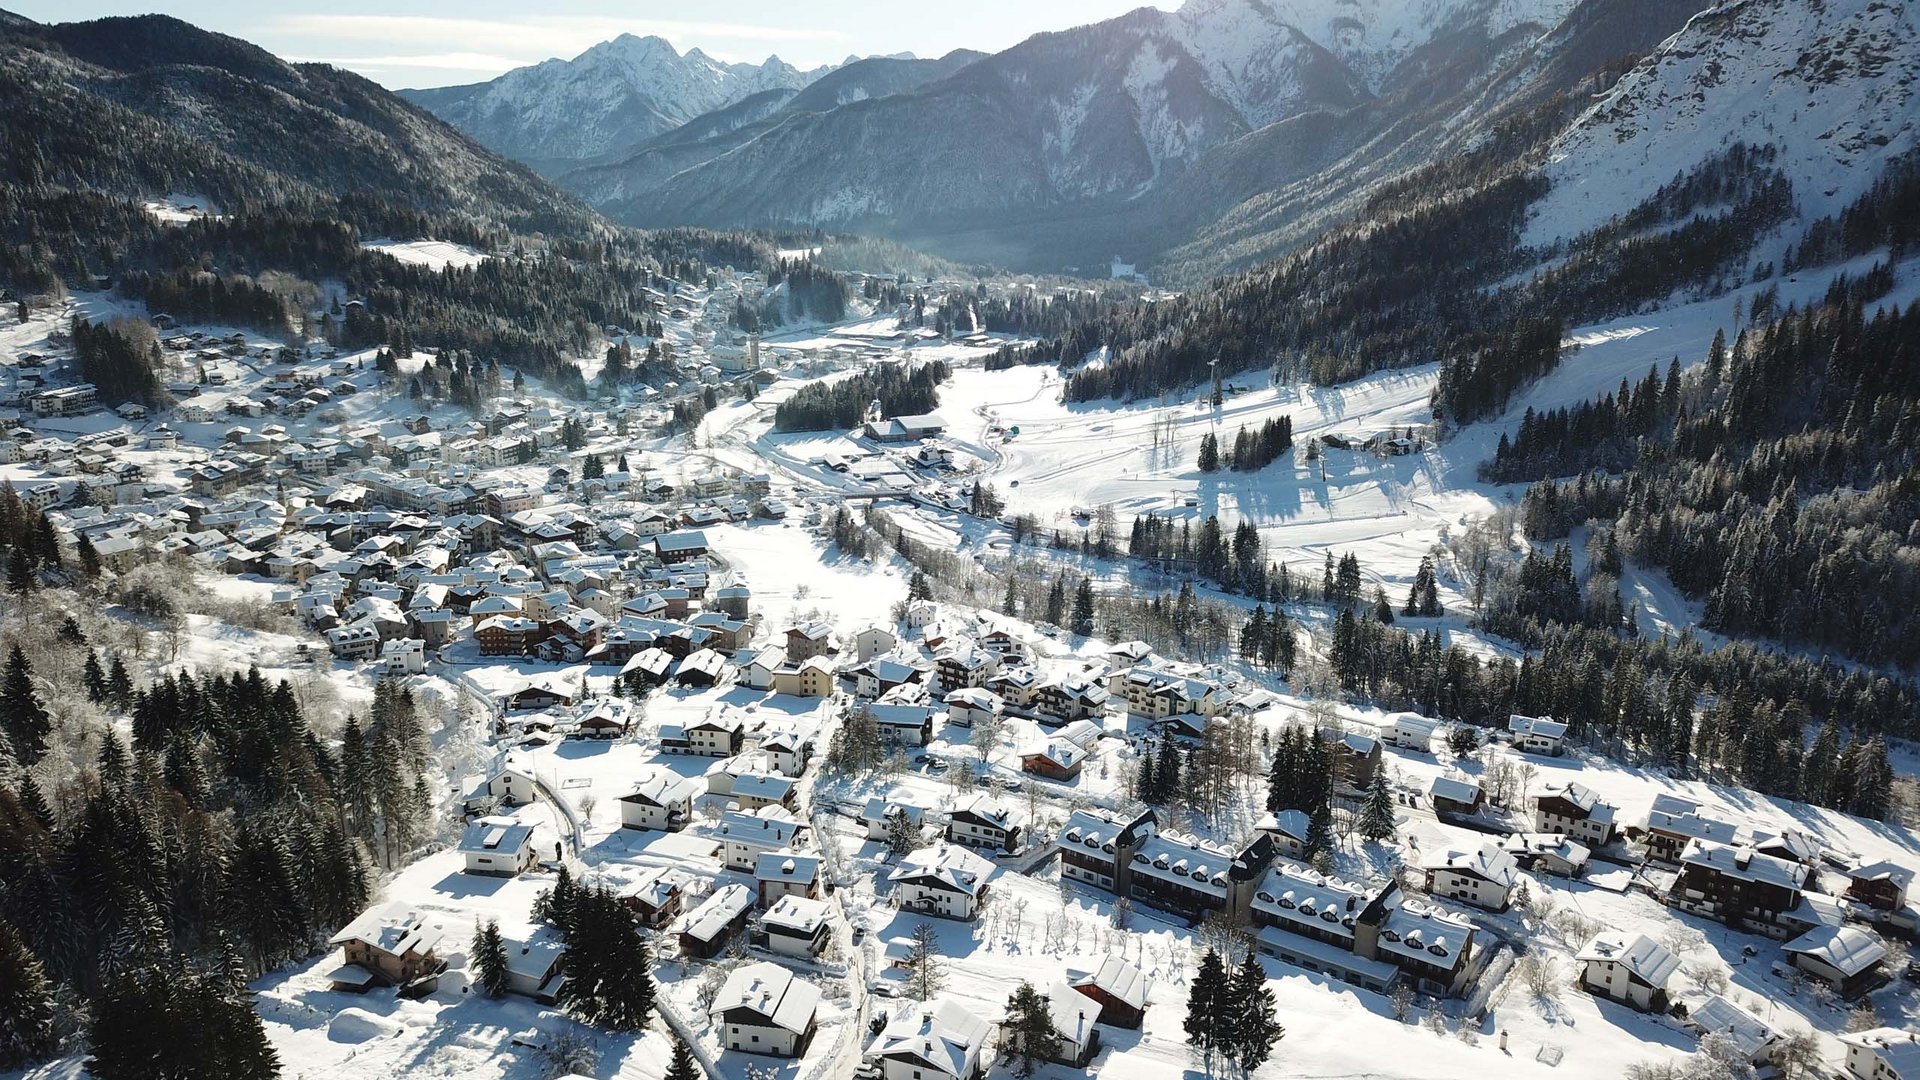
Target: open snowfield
column 437, row 254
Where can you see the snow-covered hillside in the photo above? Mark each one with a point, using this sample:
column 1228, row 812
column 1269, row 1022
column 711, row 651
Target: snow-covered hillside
column 1830, row 84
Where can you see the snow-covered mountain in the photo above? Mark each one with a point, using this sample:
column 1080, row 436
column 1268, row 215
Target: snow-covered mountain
column 1830, row 85
column 1017, row 150
column 607, row 99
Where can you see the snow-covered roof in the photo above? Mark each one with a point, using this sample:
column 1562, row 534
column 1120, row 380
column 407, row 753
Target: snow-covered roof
column 1454, row 788
column 1094, row 829
column 661, row 786
column 951, row 866
column 786, row 865
column 1644, row 958
column 1486, row 861
column 1074, row 1013
column 395, row 927
column 945, row 1034
column 759, row 828
column 1544, row 727
column 1580, row 795
column 491, row 834
column 1185, row 860
column 1849, row 950
column 1900, row 1049
column 1678, row 817
column 1425, row 933
column 1296, row 894
column 727, row 903
column 771, row 991
column 1121, row 979
column 800, row 914
column 1718, row 1016
column 1291, row 823
column 1744, row 863
column 1883, row 870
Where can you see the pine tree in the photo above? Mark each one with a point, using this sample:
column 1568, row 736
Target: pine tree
column 1205, row 999
column 1320, row 831
column 902, row 834
column 682, row 1066
column 1083, row 608
column 1253, row 1025
column 1376, row 816
column 1030, row 1028
column 89, row 557
column 26, row 1003
column 609, row 980
column 93, row 678
column 22, row 717
column 489, row 960
column 159, row 1023
column 20, row 575
column 1209, row 453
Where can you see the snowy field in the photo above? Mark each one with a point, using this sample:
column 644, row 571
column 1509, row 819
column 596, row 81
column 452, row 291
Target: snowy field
column 436, row 254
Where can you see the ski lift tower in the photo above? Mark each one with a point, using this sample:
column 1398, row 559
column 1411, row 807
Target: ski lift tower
column 1218, row 396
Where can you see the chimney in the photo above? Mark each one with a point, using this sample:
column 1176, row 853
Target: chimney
column 1743, row 857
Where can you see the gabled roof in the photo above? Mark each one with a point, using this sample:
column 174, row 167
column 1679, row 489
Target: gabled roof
column 1487, row 862
column 771, row 991
column 1544, row 727
column 951, row 866
column 1718, row 1016
column 1644, row 958
column 944, row 1034
column 395, row 927
column 1849, row 950
column 1121, row 979
column 496, row 834
column 660, row 786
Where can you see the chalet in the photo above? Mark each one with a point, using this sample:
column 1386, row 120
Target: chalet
column 1484, row 877
column 1848, row 958
column 809, row 640
column 721, row 733
column 1790, row 844
column 873, row 641
column 810, row 678
column 755, row 790
column 763, row 1008
column 1014, row 686
column 1411, row 731
column 543, row 693
column 945, row 880
column 745, row 836
column 536, row 965
column 390, row 944
column 1119, row 988
column 498, row 847
column 787, row 747
column 1880, row 885
column 1356, row 757
column 1537, row 734
column 354, row 642
column 1631, row 969
column 679, row 547
column 904, row 429
column 970, row 705
column 1456, row 793
column 1756, row 1043
column 877, row 676
column 902, row 725
column 1576, row 810
column 655, row 899
column 877, row 812
column 706, row 929
column 1071, row 698
column 1883, row 1053
column 512, row 785
column 755, row 668
column 936, row 1041
column 1056, row 759
column 661, row 799
column 797, row 926
column 963, row 665
column 1744, row 889
column 1289, row 829
column 1074, row 1016
column 1674, row 823
column 983, row 821
column 509, row 635
column 701, row 669
column 1154, row 694
column 1548, row 853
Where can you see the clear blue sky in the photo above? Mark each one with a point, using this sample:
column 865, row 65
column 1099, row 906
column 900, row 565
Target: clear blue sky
column 441, row 43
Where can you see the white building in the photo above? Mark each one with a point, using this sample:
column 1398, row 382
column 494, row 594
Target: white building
column 936, row 1041
column 1484, row 877
column 661, row 799
column 763, row 1009
column 743, row 835
column 1410, row 731
column 945, row 880
column 498, row 846
column 1883, row 1054
column 1632, row 969
column 1537, row 734
column 797, row 926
